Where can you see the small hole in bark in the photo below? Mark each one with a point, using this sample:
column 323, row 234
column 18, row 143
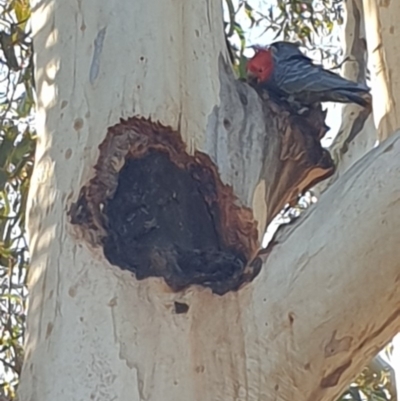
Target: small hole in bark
column 291, row 317
column 68, row 153
column 78, row 124
column 227, row 123
column 181, row 307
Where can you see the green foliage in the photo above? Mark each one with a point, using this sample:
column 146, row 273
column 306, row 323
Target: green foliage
column 17, row 143
column 303, row 21
column 375, row 383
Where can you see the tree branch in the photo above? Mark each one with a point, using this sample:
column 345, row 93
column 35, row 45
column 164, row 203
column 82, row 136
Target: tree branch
column 331, row 282
column 94, row 330
column 357, row 134
column 383, row 57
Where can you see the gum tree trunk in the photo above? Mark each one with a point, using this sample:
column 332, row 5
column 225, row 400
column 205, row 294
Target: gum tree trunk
column 147, row 281
column 384, row 57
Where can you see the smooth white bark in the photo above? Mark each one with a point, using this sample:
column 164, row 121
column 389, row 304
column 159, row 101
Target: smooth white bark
column 381, row 18
column 357, row 134
column 327, row 295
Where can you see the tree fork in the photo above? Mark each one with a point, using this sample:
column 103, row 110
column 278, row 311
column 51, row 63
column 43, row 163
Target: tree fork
column 94, row 330
column 158, row 211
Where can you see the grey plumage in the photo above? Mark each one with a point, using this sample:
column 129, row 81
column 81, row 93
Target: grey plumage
column 295, row 75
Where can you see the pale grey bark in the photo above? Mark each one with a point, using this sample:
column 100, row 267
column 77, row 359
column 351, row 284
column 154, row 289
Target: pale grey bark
column 301, row 330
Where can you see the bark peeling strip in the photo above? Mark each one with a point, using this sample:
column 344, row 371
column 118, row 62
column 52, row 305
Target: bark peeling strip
column 158, row 211
column 98, row 48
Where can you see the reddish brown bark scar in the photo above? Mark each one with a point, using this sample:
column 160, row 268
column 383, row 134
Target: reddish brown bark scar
column 332, row 379
column 155, row 210
column 158, row 211
column 337, row 345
